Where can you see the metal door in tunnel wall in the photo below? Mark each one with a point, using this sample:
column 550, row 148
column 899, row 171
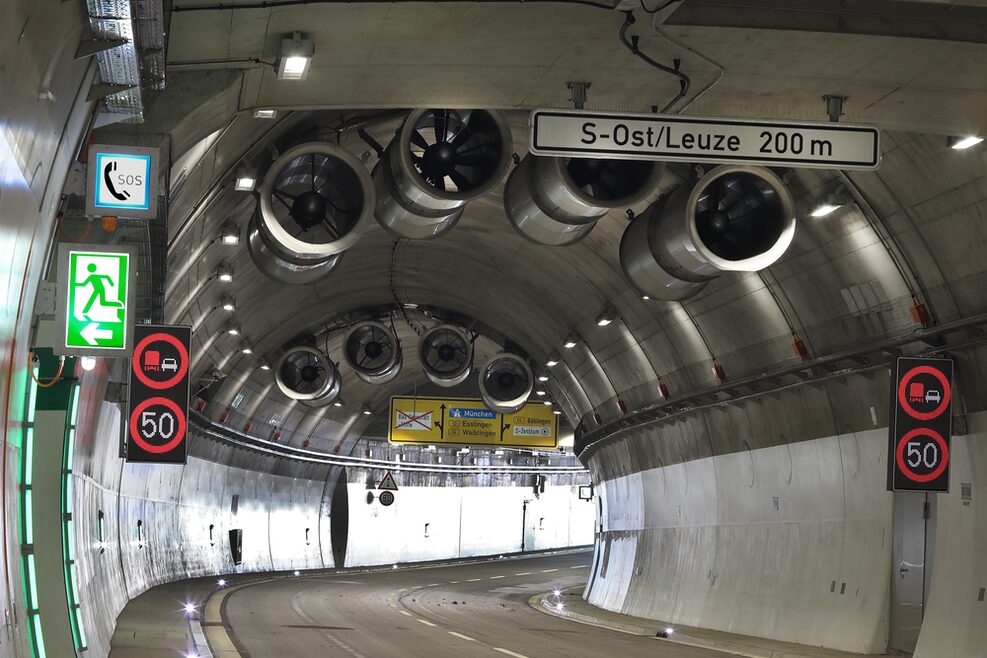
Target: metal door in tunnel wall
column 908, row 570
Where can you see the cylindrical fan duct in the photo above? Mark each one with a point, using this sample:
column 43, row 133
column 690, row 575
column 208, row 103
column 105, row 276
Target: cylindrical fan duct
column 505, row 383
column 446, row 354
column 737, row 218
column 305, row 374
column 438, row 162
column 557, row 201
column 371, row 349
column 314, row 203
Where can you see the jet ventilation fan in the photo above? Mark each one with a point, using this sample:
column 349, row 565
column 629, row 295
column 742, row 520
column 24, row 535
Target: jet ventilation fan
column 736, row 218
column 505, row 383
column 371, row 349
column 438, row 162
column 307, row 375
column 314, row 203
column 446, row 354
column 557, row 201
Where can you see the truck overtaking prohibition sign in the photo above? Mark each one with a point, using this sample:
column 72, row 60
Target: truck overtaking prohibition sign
column 918, row 445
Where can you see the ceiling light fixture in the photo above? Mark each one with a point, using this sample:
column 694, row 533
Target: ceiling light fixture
column 552, row 360
column 824, row 209
column 605, row 318
column 367, row 411
column 233, row 329
column 224, row 272
column 246, row 348
column 961, row 143
column 87, row 363
column 541, row 393
column 228, row 303
column 571, row 341
column 547, row 403
column 556, row 412
column 264, row 365
column 246, row 179
column 543, row 378
column 296, row 57
column 265, row 114
column 645, row 297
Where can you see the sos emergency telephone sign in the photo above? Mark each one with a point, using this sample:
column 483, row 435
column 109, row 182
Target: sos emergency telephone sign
column 157, row 422
column 921, row 422
column 122, row 181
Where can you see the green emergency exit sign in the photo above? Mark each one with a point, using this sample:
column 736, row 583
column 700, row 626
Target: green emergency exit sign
column 96, row 300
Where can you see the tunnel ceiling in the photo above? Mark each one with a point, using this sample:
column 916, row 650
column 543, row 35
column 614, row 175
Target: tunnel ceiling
column 372, row 58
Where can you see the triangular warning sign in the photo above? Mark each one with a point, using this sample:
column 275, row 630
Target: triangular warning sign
column 388, row 483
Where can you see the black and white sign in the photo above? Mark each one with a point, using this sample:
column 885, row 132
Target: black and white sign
column 627, row 136
column 122, row 181
column 918, row 445
column 157, row 421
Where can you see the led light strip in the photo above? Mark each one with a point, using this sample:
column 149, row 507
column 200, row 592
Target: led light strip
column 27, row 519
column 68, row 536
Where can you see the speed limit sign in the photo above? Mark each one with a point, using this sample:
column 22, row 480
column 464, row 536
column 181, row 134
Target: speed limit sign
column 918, row 445
column 157, row 424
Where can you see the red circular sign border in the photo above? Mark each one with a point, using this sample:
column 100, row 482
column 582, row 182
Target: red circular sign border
column 381, row 497
column 179, row 434
column 903, row 399
column 899, row 455
column 139, row 352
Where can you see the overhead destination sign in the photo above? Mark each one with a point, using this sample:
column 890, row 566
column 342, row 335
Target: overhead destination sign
column 467, row 421
column 628, row 136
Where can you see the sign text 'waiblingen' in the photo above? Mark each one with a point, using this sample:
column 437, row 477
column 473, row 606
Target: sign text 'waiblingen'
column 629, row 136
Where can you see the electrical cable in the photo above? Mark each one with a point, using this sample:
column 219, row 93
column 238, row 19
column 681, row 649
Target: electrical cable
column 58, row 375
column 290, row 3
column 656, row 10
column 631, row 45
column 679, row 44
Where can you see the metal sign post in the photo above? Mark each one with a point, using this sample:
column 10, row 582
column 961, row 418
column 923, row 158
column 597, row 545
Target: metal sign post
column 95, row 300
column 627, row 136
column 122, row 181
column 918, row 442
column 157, row 419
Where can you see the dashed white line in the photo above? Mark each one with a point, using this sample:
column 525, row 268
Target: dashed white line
column 495, row 577
column 405, row 613
column 473, row 580
column 523, row 573
column 461, row 636
column 453, row 582
column 548, row 570
column 510, row 653
column 426, row 622
column 432, row 585
column 579, row 566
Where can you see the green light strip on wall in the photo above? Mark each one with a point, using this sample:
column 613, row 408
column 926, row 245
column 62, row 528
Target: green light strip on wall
column 29, row 574
column 68, row 535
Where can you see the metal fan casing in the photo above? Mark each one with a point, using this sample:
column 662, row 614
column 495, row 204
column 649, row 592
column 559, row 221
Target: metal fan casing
column 545, row 205
column 285, row 258
column 498, row 397
column 406, row 205
column 325, row 393
column 664, row 256
column 391, row 365
column 446, row 334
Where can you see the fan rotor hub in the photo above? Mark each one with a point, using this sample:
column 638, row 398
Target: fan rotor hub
column 506, row 380
column 439, row 159
column 309, row 373
column 446, row 352
column 716, row 221
column 373, row 349
column 308, row 209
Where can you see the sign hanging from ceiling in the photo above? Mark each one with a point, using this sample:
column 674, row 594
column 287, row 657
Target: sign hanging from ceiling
column 157, row 422
column 95, row 300
column 918, row 445
column 627, row 136
column 467, row 421
column 122, row 181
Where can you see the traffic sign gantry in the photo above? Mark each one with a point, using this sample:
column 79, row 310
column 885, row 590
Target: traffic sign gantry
column 95, row 300
column 157, row 425
column 918, row 442
column 629, row 136
column 123, row 181
column 467, row 421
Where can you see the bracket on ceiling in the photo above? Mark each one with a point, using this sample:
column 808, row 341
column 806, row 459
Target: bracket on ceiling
column 834, row 106
column 578, row 93
column 90, row 47
column 102, row 90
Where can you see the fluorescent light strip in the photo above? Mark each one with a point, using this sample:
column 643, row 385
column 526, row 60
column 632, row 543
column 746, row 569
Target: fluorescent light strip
column 966, row 142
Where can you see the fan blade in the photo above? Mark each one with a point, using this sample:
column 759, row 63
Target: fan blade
column 461, row 182
column 439, row 125
column 331, row 228
column 477, row 160
column 418, row 140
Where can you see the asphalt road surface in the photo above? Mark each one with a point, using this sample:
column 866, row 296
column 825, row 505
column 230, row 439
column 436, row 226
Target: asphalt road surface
column 457, row 611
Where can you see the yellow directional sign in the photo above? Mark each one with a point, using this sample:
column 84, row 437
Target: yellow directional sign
column 467, row 421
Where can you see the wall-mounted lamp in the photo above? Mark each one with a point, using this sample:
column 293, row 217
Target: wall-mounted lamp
column 264, row 365
column 228, row 303
column 367, row 411
column 296, row 57
column 265, row 114
column 571, row 341
column 230, row 233
column 961, row 143
column 552, row 360
column 224, row 272
column 246, row 348
column 232, row 328
column 246, row 179
column 543, row 378
column 605, row 318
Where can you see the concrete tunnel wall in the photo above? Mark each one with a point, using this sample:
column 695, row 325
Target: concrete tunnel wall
column 468, row 515
column 750, row 518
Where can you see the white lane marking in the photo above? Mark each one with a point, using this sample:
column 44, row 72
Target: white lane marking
column 473, row 580
column 495, row 577
column 548, row 570
column 405, row 613
column 461, row 636
column 453, row 582
column 510, row 653
column 523, row 573
column 432, row 585
column 580, row 566
column 426, row 622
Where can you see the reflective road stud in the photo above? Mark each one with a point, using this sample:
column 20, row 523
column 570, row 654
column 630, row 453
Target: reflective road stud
column 96, row 300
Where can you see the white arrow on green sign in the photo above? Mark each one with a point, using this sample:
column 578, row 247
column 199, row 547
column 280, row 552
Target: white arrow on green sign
column 96, row 299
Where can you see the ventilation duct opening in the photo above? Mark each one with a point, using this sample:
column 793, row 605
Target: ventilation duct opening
column 737, row 218
column 446, row 355
column 438, row 162
column 505, row 383
column 557, row 201
column 371, row 349
column 307, row 375
column 314, row 203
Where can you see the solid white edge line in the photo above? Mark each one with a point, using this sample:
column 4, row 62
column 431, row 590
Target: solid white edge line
column 461, row 636
column 510, row 653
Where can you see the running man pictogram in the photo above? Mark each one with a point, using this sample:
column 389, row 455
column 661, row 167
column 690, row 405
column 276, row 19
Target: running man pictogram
column 98, row 283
